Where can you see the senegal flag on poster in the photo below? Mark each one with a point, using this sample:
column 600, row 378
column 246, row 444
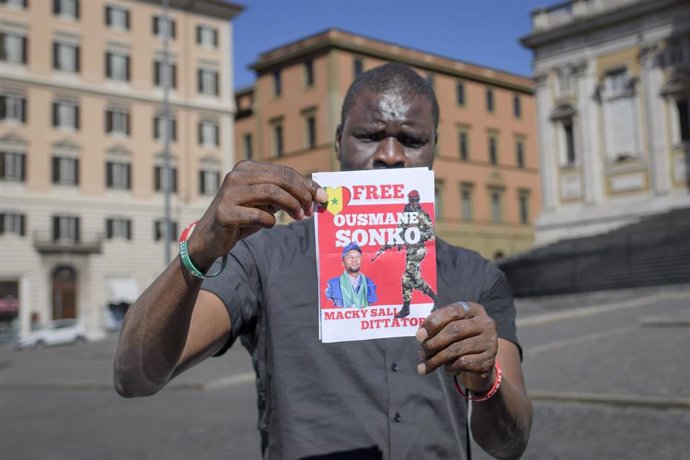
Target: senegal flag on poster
column 376, row 257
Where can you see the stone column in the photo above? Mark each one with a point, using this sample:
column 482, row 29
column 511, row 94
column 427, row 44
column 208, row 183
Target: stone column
column 548, row 163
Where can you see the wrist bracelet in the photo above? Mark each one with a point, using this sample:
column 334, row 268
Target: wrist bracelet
column 187, row 261
column 492, row 391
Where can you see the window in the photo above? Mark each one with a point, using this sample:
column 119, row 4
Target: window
column 118, row 228
column 467, row 206
column 684, row 119
column 209, row 133
column 159, row 128
column 357, row 67
column 309, row 73
column 159, row 179
column 463, row 145
column 517, row 106
column 12, row 222
column 13, row 48
column 569, row 142
column 116, row 17
column 278, row 140
column 117, row 66
column 118, row 175
column 496, row 197
column 65, row 115
column 65, row 57
column 13, row 107
column 66, row 228
column 15, row 3
column 310, row 131
column 208, row 182
column 159, row 74
column 158, row 230
column 117, row 122
column 248, row 147
column 460, row 93
column 493, row 149
column 207, row 82
column 66, row 8
column 65, row 170
column 12, row 166
column 523, row 206
column 161, row 27
column 277, row 83
column 489, row 100
column 438, row 197
column 520, row 153
column 207, row 36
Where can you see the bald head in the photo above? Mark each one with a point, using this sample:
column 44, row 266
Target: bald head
column 396, row 77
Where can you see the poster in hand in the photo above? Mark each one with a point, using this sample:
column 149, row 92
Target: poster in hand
column 376, row 257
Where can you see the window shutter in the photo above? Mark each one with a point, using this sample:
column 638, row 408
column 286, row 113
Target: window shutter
column 154, row 25
column 172, row 27
column 2, row 165
column 217, row 130
column 217, row 181
column 56, row 121
column 108, row 12
column 77, row 58
column 156, row 127
column 129, row 176
column 157, row 171
column 173, row 73
column 76, row 171
column 127, row 74
column 108, row 66
column 76, row 117
column 127, row 19
column 25, row 50
column 173, row 128
column 56, row 228
column 108, row 121
column 128, row 125
column 23, row 166
column 108, row 174
column 129, row 229
column 76, row 9
column 200, row 133
column 215, row 83
column 3, row 56
column 23, row 103
column 174, row 180
column 22, row 225
column 156, row 73
column 202, row 185
column 77, row 229
column 56, row 50
column 198, row 34
column 215, row 38
column 109, row 228
column 56, row 170
column 3, row 107
column 198, row 81
column 2, row 223
column 56, row 6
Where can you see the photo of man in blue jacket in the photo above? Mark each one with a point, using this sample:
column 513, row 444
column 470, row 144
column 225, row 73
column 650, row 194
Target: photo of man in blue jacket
column 351, row 289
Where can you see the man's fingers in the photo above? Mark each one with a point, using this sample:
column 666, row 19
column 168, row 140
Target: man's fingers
column 272, row 197
column 461, row 356
column 454, row 334
column 438, row 319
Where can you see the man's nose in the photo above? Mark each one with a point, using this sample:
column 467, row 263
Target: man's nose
column 390, row 154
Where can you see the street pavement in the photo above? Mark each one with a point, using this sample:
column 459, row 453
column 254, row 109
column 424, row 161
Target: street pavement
column 607, row 372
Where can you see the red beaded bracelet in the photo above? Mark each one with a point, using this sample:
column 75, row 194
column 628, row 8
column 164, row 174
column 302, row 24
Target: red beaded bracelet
column 492, row 391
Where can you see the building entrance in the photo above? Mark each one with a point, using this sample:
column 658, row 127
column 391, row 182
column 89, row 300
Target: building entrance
column 64, row 293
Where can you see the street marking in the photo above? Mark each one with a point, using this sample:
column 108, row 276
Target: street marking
column 575, row 340
column 538, row 320
column 230, row 381
column 657, row 402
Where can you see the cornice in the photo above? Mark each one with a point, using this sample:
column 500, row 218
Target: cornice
column 219, row 9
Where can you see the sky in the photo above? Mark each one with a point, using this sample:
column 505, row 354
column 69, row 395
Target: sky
column 483, row 32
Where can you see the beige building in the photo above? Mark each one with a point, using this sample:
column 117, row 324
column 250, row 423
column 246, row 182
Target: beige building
column 613, row 108
column 81, row 148
column 486, row 165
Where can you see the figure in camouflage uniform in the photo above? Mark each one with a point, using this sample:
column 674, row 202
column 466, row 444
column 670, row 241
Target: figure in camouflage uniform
column 412, row 277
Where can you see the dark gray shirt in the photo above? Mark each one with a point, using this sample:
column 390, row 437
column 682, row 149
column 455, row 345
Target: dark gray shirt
column 361, row 399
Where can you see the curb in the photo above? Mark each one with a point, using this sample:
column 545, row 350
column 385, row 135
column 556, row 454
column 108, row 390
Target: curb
column 625, row 400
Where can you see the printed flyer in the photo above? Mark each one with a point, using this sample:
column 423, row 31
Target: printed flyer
column 376, row 256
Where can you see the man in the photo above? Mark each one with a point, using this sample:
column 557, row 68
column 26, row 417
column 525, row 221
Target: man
column 364, row 399
column 351, row 289
column 414, row 255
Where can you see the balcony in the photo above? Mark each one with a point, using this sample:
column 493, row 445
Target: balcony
column 85, row 243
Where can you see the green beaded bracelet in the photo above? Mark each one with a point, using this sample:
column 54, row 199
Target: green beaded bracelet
column 187, row 261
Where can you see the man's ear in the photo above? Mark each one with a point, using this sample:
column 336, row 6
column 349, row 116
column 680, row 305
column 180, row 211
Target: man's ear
column 338, row 133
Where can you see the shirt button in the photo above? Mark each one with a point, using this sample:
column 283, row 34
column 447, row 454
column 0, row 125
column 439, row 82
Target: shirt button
column 394, row 367
column 397, row 417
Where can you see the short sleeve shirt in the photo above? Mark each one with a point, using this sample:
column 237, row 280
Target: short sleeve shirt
column 362, row 399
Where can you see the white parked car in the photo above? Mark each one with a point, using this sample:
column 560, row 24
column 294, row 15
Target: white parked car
column 59, row 332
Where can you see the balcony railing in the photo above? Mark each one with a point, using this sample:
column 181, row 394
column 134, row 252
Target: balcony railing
column 564, row 13
column 87, row 243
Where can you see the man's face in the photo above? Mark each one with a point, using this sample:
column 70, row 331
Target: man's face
column 414, row 203
column 352, row 261
column 386, row 130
